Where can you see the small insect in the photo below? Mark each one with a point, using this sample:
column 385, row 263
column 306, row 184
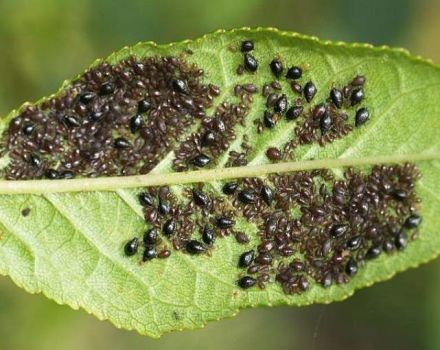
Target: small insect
column 135, row 123
column 200, row 198
column 354, row 242
column 28, row 129
column 164, row 254
column 412, row 221
column 401, row 240
column 325, row 122
column 163, row 207
column 121, row 143
column 338, row 230
column 208, row 235
column 246, row 282
column 52, row 174
column 150, row 236
column 71, row 121
column 373, row 252
column 87, row 97
column 281, row 104
column 224, row 222
column 247, row 196
column 169, row 227
column 267, row 195
column 180, row 86
column 351, row 268
column 194, row 247
column 208, row 139
column 310, row 91
column 150, row 253
column 276, row 66
column 269, row 120
column 143, row 106
column 146, row 199
column 246, row 259
column 294, row 112
column 357, row 95
column 201, row 160
column 399, row 194
column 241, row 238
column 336, row 97
column 35, row 160
column 294, row 73
column 250, row 63
column 362, row 116
column 247, row 45
column 230, row 188
column 273, row 153
column 96, row 116
column 25, row 212
column 131, row 247
column 107, row 89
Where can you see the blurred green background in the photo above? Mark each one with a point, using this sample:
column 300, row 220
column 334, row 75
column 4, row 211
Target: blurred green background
column 42, row 42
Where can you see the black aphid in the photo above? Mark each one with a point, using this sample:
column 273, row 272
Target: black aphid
column 200, row 198
column 96, row 116
column 230, row 188
column 373, row 252
column 163, row 206
column 401, row 240
column 121, row 143
column 250, row 63
column 52, row 174
column 35, row 160
column 310, row 91
column 131, row 247
column 180, row 86
column 325, row 122
column 135, row 123
column 143, row 106
column 201, row 160
column 71, row 121
column 28, row 129
column 224, row 222
column 281, row 104
column 246, row 259
column 351, row 268
column 294, row 73
column 267, row 195
column 86, row 97
column 294, row 112
column 354, row 242
column 208, row 235
column 336, row 97
column 208, row 138
column 399, row 194
column 146, row 199
column 149, row 253
column 247, row 196
column 67, row 174
column 246, row 282
column 361, row 116
column 169, row 227
column 276, row 66
column 358, row 80
column 357, row 95
column 269, row 120
column 194, row 247
column 107, row 89
column 247, row 45
column 412, row 221
column 337, row 230
column 150, row 236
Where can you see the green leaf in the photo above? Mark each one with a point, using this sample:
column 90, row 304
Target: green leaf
column 70, row 246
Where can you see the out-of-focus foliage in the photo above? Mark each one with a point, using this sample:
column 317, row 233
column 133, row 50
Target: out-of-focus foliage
column 44, row 41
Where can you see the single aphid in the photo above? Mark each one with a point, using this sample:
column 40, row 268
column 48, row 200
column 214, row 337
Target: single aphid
column 169, row 227
column 281, row 104
column 35, row 160
column 131, row 247
column 351, row 268
column 150, row 236
column 28, row 129
column 357, row 95
column 135, row 123
column 241, row 237
column 143, row 106
column 52, row 174
column 224, row 222
column 373, row 252
column 180, row 86
column 107, row 89
column 359, row 80
column 163, row 207
column 200, row 198
column 96, row 116
column 250, row 63
column 194, row 247
column 163, row 254
column 361, row 116
column 273, row 153
column 294, row 73
column 67, row 174
column 336, row 97
column 337, row 230
column 121, row 143
column 401, row 240
column 412, row 221
column 294, row 112
column 150, row 253
column 247, row 45
column 230, row 188
column 276, row 66
column 87, row 97
column 325, row 122
column 246, row 282
column 399, row 194
column 267, row 195
column 310, row 91
column 71, row 121
column 208, row 138
column 208, row 235
column 201, row 160
column 146, row 199
column 247, row 196
column 246, row 259
column 269, row 120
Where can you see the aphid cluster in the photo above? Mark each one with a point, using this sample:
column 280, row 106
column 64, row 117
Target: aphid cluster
column 114, row 120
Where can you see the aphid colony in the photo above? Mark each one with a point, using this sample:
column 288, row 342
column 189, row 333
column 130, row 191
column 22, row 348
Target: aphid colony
column 114, row 120
column 312, row 227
